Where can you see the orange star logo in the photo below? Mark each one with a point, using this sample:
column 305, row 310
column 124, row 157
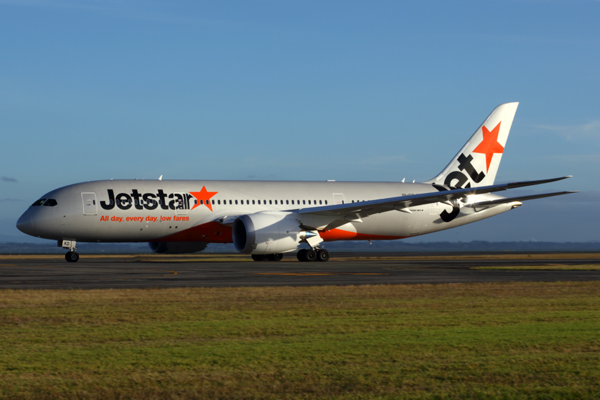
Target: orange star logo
column 489, row 145
column 203, row 197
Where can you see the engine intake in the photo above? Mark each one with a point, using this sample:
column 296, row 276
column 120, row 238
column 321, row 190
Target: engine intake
column 266, row 233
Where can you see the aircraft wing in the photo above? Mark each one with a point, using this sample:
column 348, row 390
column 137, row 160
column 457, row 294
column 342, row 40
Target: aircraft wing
column 362, row 209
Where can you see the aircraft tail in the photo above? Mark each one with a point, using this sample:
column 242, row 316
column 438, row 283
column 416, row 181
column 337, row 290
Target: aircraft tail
column 476, row 164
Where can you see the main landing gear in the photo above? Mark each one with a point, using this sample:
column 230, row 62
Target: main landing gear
column 71, row 255
column 267, row 257
column 310, row 255
column 304, row 255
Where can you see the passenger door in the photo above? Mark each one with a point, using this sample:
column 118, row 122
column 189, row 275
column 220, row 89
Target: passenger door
column 90, row 206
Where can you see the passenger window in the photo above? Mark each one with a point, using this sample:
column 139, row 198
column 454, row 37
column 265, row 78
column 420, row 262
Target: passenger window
column 258, row 202
column 247, row 201
column 50, row 203
column 213, row 202
column 325, row 202
column 292, row 202
column 287, row 202
column 320, row 202
column 270, row 201
column 38, row 203
column 303, row 201
column 275, row 201
column 218, row 201
column 230, row 202
column 252, row 202
column 236, row 202
column 309, row 202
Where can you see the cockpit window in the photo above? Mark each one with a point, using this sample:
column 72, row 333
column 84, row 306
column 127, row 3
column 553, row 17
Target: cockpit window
column 50, row 203
column 38, row 203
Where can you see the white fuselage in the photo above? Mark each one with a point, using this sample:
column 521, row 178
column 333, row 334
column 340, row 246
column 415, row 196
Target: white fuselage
column 142, row 210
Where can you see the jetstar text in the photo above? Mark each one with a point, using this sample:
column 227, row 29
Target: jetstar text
column 457, row 180
column 148, row 201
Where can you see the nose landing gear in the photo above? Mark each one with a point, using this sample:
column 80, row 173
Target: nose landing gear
column 71, row 255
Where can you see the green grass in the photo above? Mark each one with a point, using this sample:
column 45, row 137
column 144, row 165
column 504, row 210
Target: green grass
column 509, row 341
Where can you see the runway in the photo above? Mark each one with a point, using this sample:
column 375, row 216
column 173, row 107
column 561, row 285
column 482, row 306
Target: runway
column 214, row 270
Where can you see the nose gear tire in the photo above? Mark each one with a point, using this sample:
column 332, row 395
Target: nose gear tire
column 71, row 256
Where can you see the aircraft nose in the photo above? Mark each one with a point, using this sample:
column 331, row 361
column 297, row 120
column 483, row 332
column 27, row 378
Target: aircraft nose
column 24, row 224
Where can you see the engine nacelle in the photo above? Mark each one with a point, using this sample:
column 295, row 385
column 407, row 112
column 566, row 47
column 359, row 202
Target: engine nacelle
column 266, row 233
column 177, row 247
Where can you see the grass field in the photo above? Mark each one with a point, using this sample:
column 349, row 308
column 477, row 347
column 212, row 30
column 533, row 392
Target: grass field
column 477, row 341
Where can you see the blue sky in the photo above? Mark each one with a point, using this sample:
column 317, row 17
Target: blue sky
column 301, row 90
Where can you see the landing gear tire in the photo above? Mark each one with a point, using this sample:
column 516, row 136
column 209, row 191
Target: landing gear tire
column 267, row 257
column 275, row 257
column 322, row 255
column 301, row 255
column 71, row 256
column 310, row 255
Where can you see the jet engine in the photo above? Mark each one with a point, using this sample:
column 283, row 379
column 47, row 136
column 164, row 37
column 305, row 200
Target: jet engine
column 266, row 233
column 177, row 247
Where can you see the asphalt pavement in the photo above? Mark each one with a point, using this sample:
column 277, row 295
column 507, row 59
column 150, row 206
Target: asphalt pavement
column 125, row 271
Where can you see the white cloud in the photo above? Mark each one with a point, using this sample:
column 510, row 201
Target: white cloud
column 575, row 133
column 576, row 159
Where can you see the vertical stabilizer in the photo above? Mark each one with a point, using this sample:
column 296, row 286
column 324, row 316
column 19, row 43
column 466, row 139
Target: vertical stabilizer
column 476, row 164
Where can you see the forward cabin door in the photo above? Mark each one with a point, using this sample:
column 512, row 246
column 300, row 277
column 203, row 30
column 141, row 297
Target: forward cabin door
column 90, row 206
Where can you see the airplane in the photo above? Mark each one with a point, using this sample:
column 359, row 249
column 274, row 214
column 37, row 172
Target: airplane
column 268, row 218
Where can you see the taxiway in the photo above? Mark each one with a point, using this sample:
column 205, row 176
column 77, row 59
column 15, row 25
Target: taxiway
column 213, row 270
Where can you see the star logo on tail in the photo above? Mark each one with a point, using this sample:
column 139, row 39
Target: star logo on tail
column 203, row 197
column 489, row 145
